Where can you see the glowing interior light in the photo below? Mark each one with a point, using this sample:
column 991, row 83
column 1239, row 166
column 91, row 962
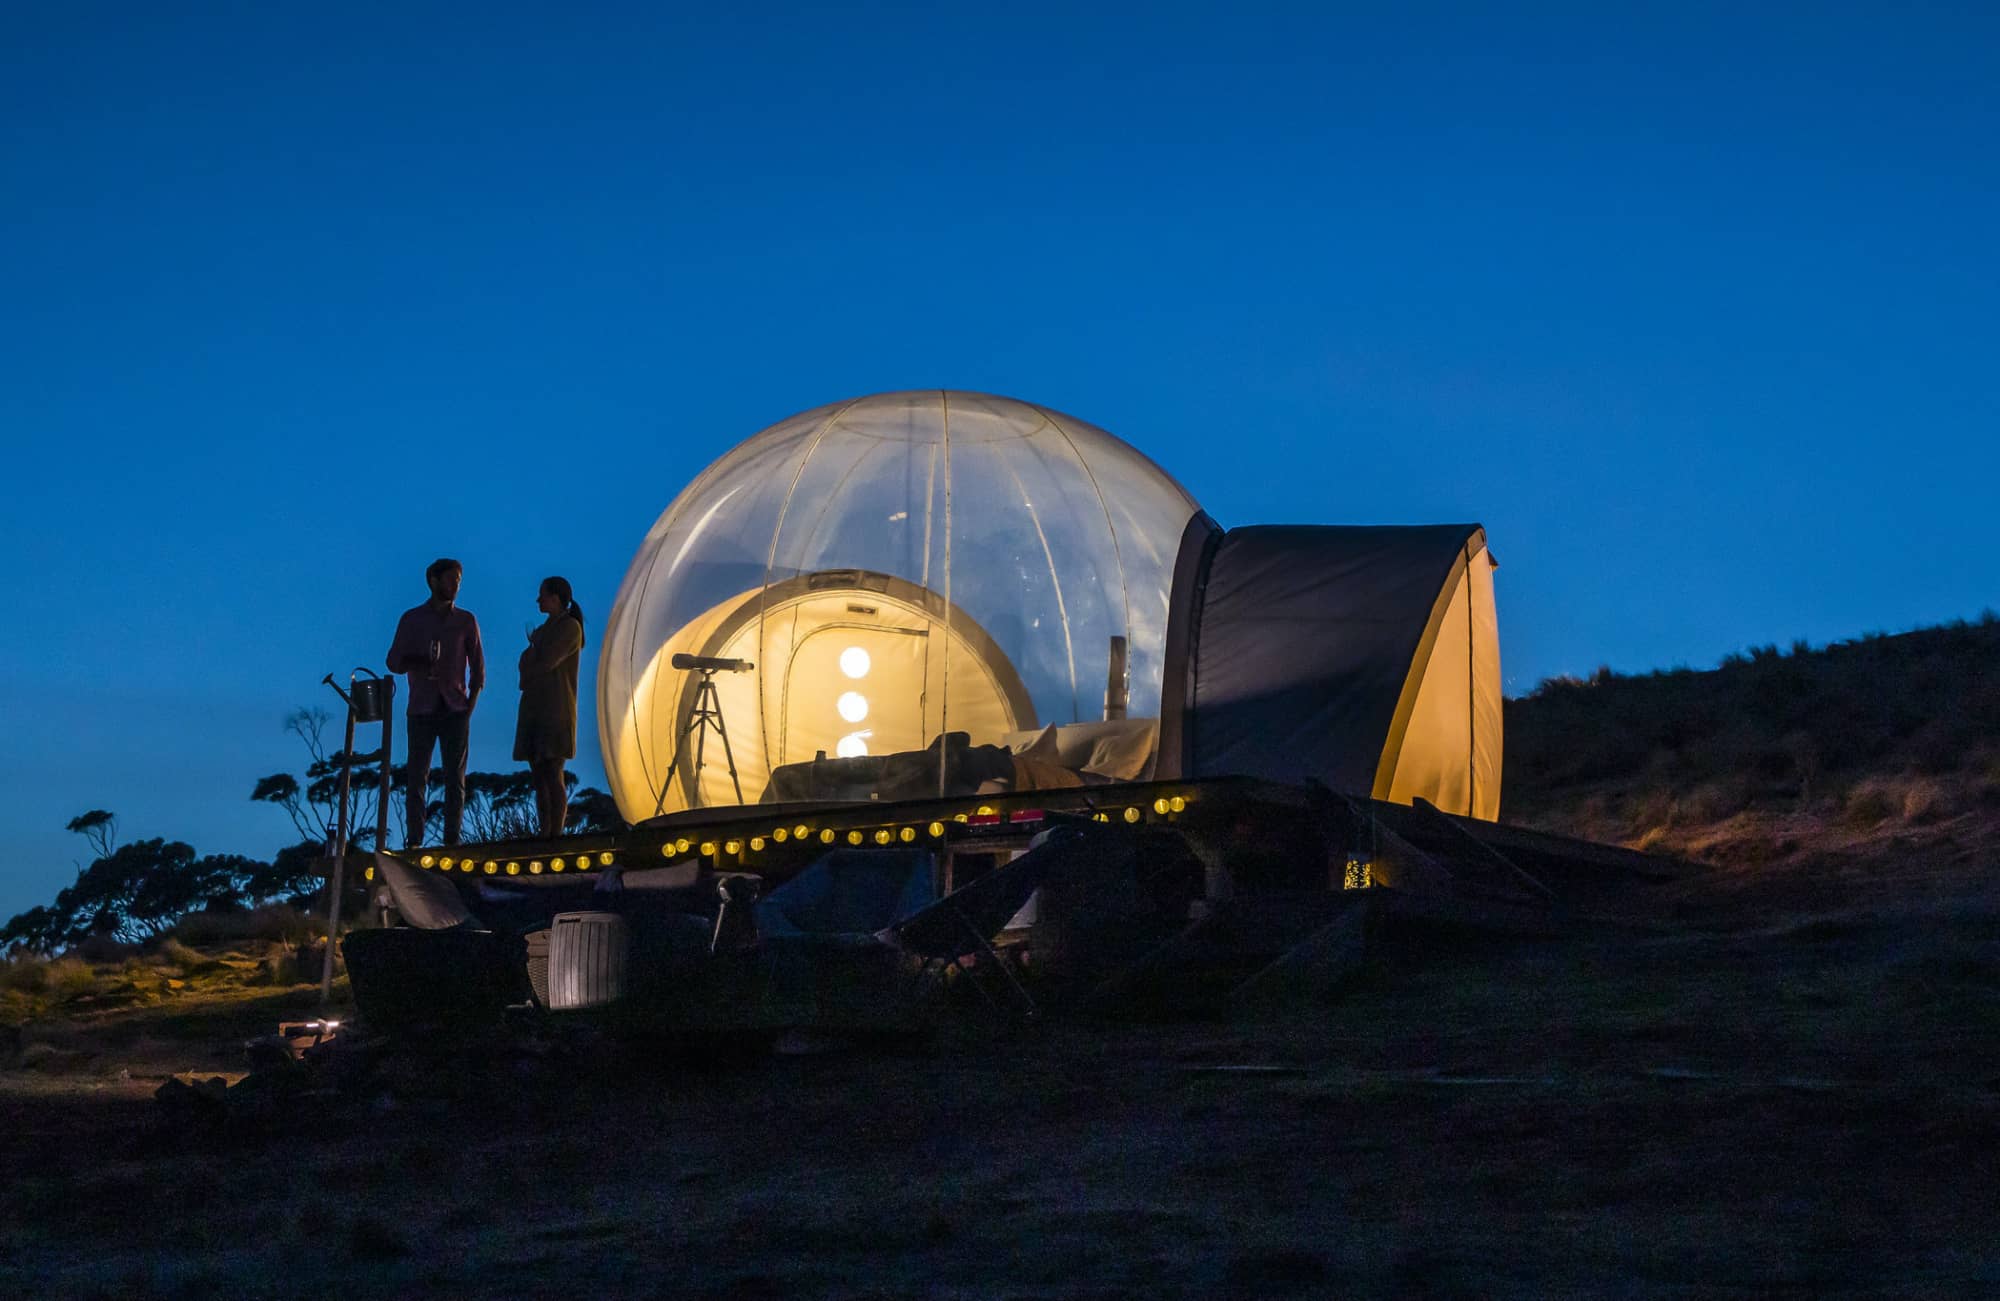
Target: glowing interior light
column 465, row 865
column 936, row 829
column 1177, row 803
column 1160, row 805
column 853, row 706
column 535, row 868
column 447, row 863
column 907, row 834
column 707, row 848
column 681, row 845
column 605, row 858
column 802, row 831
column 853, row 837
column 826, row 836
column 986, row 810
column 756, row 843
column 556, row 865
column 851, row 746
column 854, row 662
column 429, row 861
column 779, row 835
column 513, row 869
column 734, row 847
column 492, row 868
column 1132, row 815
column 882, row 837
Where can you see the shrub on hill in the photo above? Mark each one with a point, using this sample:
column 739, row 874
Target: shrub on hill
column 1900, row 727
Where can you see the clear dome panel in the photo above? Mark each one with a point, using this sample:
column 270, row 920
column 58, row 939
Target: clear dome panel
column 984, row 563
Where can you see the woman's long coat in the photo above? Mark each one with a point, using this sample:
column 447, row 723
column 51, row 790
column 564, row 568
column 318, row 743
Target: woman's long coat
column 546, row 728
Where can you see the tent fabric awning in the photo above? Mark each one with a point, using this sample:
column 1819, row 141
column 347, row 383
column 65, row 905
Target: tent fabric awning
column 1366, row 657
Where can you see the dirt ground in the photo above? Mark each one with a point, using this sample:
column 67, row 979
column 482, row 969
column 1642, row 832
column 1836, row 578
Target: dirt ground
column 1738, row 1085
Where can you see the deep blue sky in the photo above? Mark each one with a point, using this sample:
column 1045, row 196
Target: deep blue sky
column 1695, row 310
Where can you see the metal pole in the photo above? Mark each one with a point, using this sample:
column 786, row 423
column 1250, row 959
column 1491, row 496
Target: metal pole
column 335, row 883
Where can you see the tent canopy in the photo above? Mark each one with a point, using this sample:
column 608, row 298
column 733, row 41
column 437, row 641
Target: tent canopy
column 1365, row 657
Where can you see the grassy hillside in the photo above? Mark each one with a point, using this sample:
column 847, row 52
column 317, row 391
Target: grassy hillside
column 1888, row 744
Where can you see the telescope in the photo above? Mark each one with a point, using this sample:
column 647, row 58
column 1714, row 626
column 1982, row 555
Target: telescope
column 711, row 664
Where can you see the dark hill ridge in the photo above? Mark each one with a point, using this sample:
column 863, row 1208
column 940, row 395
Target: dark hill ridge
column 1887, row 744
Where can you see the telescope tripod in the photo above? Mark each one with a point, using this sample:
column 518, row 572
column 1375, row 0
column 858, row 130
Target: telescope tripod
column 706, row 714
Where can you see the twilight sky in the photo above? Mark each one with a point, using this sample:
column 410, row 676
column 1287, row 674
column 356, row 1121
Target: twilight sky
column 1695, row 308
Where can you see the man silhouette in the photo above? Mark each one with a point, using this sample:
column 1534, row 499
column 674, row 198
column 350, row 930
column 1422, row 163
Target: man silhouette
column 437, row 645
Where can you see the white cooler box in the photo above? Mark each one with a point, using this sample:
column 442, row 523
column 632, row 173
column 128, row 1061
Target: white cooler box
column 586, row 960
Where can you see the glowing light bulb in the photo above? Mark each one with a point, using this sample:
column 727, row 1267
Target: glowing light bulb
column 854, row 837
column 936, row 830
column 882, row 837
column 851, row 746
column 756, row 843
column 780, row 835
column 1160, row 806
column 429, row 861
column 447, row 862
column 604, row 859
column 853, row 706
column 1177, row 803
column 907, row 834
column 802, row 831
column 513, row 869
column 557, row 865
column 854, row 662
column 535, row 868
column 708, row 849
column 826, row 836
column 733, row 847
column 1132, row 815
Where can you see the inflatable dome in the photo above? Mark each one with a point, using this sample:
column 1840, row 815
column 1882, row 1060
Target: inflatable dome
column 910, row 594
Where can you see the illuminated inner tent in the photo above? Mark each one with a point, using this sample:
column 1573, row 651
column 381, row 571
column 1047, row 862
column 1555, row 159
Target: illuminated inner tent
column 936, row 592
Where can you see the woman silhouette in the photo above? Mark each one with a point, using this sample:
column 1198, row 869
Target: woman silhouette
column 545, row 733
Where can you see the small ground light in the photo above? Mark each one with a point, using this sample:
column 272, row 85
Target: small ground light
column 1133, row 815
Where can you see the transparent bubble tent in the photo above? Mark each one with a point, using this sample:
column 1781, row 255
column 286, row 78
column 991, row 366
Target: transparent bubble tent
column 913, row 580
